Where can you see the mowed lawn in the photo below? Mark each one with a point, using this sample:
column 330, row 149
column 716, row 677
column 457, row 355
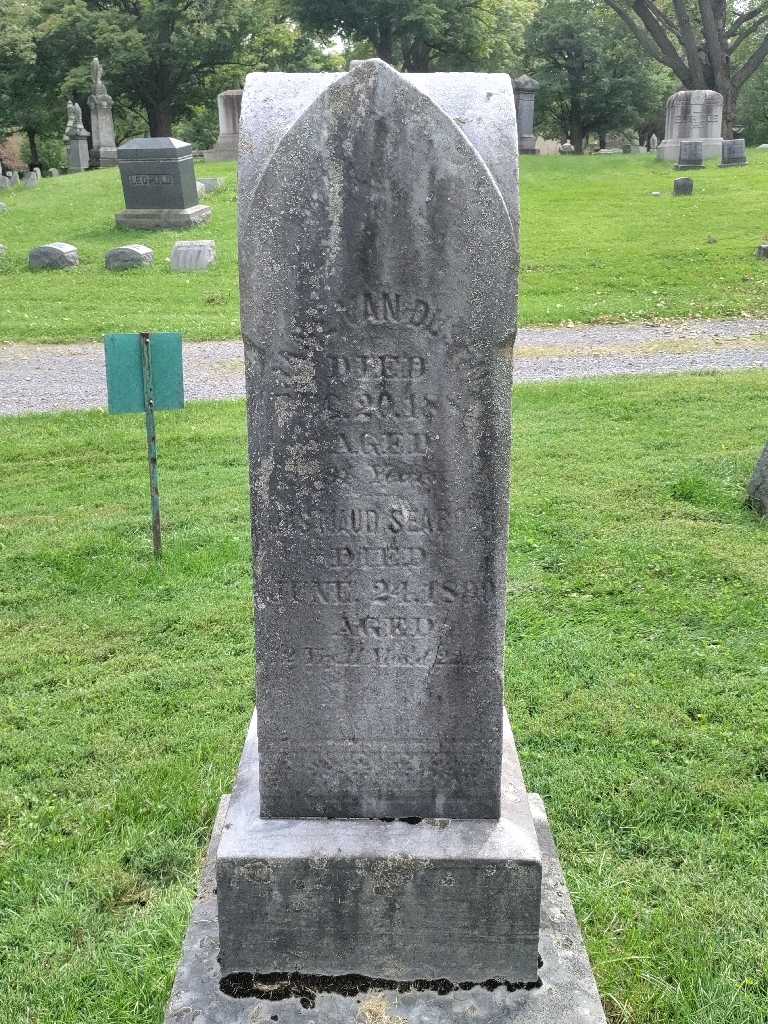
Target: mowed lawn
column 596, row 246
column 637, row 682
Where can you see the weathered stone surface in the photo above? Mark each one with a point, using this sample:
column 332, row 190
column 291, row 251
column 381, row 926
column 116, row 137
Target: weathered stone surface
column 691, row 156
column 14, row 178
column 4, row 182
column 757, row 490
column 53, row 172
column 198, row 255
column 567, row 993
column 398, row 889
column 76, row 137
column 734, row 153
column 682, row 187
column 653, row 142
column 55, row 256
column 125, row 257
column 378, row 323
column 31, row 180
column 762, row 251
column 157, row 173
column 694, row 115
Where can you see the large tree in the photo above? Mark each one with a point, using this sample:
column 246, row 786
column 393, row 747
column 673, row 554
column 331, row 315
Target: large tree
column 423, row 35
column 590, row 77
column 707, row 44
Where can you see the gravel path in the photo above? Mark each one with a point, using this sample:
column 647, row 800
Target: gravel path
column 48, row 378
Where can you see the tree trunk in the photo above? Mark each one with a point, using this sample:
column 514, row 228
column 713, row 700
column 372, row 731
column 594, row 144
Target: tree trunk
column 577, row 134
column 729, row 109
column 159, row 121
column 384, row 41
column 34, row 156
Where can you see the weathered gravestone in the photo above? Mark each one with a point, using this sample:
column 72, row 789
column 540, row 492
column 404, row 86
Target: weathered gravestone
column 104, row 147
column 126, row 257
column 762, row 251
column 4, row 182
column 379, row 838
column 525, row 89
column 692, row 115
column 159, row 185
column 54, row 256
column 228, row 104
column 682, row 187
column 76, row 137
column 734, row 153
column 197, row 255
column 757, row 489
column 691, row 156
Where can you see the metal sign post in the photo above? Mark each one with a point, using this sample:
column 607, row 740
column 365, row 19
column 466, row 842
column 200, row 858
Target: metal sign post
column 149, row 416
column 145, row 374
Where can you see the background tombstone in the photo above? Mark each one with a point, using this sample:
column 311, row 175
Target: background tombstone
column 694, row 116
column 54, row 256
column 682, row 187
column 197, row 255
column 4, row 182
column 76, row 138
column 525, row 89
column 653, row 142
column 103, row 146
column 228, row 104
column 691, row 155
column 378, row 258
column 734, row 153
column 126, row 257
column 159, row 185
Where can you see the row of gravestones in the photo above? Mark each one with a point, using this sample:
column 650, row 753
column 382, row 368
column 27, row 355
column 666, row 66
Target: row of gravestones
column 31, row 179
column 185, row 256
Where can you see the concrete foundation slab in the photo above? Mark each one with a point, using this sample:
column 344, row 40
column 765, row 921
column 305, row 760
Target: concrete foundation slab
column 565, row 994
column 158, row 220
column 425, row 899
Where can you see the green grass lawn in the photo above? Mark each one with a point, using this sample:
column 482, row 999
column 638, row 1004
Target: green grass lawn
column 596, row 245
column 637, row 668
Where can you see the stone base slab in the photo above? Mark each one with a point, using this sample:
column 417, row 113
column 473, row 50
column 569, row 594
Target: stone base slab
column 159, row 220
column 566, row 993
column 411, row 899
column 670, row 149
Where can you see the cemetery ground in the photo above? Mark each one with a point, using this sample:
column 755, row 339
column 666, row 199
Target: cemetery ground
column 637, row 668
column 597, row 247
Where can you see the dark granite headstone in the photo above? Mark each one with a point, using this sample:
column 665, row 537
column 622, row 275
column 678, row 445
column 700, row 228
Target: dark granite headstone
column 734, row 153
column 691, row 155
column 159, row 184
column 682, row 187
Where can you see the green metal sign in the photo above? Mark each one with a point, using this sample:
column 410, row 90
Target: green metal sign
column 144, row 374
column 125, row 376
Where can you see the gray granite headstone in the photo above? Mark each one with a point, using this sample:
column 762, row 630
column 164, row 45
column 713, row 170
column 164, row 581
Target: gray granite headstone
column 212, row 184
column 14, row 178
column 103, row 143
column 31, row 180
column 4, row 182
column 762, row 251
column 682, row 187
column 228, row 104
column 55, row 256
column 525, row 100
column 125, row 257
column 53, row 172
column 757, row 490
column 159, row 185
column 197, row 255
column 379, row 825
column 734, row 153
column 76, row 137
column 692, row 115
column 691, row 156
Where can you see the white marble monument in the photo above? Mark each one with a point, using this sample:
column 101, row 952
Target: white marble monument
column 694, row 115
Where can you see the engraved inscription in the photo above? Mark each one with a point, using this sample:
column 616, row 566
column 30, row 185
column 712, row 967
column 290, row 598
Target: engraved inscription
column 150, row 179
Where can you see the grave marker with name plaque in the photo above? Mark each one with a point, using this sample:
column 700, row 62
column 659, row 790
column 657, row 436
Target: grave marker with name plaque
column 159, row 185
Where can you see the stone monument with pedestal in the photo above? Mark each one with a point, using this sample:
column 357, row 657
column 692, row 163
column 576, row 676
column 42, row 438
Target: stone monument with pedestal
column 103, row 146
column 692, row 116
column 159, row 185
column 229, row 104
column 76, row 138
column 379, row 848
column 525, row 89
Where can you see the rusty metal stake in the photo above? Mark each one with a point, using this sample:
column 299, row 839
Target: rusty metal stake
column 149, row 413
